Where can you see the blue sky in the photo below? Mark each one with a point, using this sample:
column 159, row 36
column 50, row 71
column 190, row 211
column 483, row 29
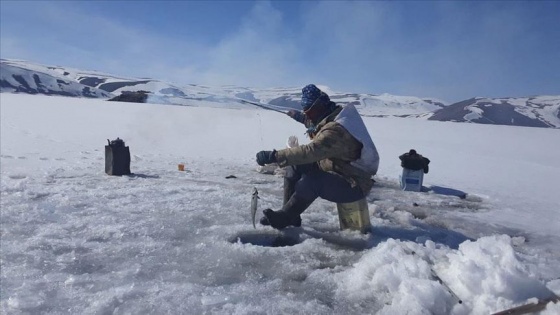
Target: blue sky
column 446, row 50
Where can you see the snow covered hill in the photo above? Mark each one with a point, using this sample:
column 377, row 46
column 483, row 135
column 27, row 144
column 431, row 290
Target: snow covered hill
column 23, row 77
column 537, row 111
column 161, row 241
column 27, row 77
column 163, row 92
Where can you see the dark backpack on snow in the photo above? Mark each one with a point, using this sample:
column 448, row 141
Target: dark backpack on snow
column 117, row 158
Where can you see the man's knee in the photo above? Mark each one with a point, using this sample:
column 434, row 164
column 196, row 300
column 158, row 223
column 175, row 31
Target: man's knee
column 291, row 173
column 295, row 172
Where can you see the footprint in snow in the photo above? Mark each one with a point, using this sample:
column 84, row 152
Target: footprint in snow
column 37, row 195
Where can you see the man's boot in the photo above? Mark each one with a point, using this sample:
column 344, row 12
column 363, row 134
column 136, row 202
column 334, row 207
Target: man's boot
column 288, row 215
column 289, row 189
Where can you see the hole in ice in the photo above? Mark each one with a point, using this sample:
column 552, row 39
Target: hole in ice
column 266, row 239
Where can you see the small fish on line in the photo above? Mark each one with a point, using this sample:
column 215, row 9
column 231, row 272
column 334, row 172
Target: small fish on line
column 254, row 200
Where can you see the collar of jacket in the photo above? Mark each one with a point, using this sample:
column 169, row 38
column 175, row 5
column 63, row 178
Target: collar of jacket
column 329, row 118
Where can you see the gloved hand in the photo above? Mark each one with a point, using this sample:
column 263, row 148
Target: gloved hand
column 266, row 157
column 296, row 115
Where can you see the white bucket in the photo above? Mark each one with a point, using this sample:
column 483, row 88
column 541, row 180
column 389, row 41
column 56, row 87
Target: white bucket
column 412, row 180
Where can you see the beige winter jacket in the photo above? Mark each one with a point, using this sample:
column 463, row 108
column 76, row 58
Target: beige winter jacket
column 333, row 148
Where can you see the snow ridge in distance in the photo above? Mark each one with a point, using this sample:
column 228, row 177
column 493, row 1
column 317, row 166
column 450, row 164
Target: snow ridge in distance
column 27, row 77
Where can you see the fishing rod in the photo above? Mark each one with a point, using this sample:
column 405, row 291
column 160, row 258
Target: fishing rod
column 436, row 277
column 261, row 105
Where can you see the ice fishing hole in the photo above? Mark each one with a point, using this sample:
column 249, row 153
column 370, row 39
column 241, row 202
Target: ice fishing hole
column 266, row 239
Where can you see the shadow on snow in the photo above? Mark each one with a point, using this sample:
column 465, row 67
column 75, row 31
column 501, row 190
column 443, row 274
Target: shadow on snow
column 350, row 240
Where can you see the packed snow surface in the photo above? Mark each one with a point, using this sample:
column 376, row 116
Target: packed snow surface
column 77, row 241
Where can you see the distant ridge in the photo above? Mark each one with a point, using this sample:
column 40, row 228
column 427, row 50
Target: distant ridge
column 535, row 111
column 18, row 76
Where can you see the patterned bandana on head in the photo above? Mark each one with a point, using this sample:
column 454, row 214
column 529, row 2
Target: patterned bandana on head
column 309, row 94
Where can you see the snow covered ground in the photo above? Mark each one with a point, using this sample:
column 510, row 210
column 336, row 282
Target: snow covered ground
column 77, row 241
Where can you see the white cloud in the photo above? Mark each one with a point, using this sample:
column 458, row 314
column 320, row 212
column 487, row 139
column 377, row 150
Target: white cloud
column 73, row 37
column 259, row 53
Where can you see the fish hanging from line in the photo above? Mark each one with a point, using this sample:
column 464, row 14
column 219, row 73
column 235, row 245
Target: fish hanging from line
column 254, row 201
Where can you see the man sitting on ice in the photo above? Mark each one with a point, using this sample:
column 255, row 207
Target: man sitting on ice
column 337, row 165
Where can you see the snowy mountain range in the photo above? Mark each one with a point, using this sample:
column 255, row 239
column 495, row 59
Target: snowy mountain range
column 26, row 77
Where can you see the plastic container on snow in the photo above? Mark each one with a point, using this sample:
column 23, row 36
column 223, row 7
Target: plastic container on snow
column 411, row 180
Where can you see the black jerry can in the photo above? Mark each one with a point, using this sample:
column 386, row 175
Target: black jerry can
column 117, row 158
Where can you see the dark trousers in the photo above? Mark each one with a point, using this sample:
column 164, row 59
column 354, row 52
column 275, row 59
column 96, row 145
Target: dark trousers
column 310, row 182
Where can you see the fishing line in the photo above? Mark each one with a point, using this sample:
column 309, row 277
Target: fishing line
column 260, row 129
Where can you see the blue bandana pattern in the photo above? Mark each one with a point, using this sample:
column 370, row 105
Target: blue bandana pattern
column 309, row 94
